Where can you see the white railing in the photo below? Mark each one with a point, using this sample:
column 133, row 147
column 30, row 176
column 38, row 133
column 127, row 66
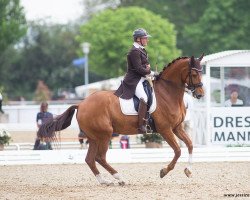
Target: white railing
column 72, row 146
column 207, row 154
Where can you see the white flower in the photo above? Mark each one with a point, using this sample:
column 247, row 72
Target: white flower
column 4, row 132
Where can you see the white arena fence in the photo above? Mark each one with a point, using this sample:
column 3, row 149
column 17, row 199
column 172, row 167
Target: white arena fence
column 208, row 154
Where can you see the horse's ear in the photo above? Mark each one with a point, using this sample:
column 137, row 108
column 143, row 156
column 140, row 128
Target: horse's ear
column 192, row 61
column 200, row 58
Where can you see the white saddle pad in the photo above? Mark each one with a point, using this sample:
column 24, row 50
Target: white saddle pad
column 128, row 108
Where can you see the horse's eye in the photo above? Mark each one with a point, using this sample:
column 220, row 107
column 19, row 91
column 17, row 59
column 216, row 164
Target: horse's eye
column 194, row 75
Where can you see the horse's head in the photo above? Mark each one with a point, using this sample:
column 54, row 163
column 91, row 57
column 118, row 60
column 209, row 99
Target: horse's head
column 193, row 77
column 184, row 71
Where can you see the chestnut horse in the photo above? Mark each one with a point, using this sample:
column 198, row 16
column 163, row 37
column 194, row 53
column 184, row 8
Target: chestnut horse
column 99, row 115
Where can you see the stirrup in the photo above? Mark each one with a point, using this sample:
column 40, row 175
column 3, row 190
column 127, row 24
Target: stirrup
column 142, row 131
column 148, row 129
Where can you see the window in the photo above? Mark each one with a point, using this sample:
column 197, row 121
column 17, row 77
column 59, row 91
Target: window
column 225, row 80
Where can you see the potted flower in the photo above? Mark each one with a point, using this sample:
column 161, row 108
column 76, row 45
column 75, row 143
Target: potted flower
column 152, row 140
column 4, row 137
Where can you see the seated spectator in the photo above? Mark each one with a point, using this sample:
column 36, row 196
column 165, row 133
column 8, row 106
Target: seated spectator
column 234, row 101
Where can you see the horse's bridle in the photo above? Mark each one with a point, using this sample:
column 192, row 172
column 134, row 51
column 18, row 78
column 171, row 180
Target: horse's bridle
column 191, row 86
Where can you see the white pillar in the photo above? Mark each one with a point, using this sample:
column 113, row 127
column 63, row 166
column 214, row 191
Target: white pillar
column 85, row 49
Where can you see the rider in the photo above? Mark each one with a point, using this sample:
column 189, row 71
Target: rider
column 137, row 68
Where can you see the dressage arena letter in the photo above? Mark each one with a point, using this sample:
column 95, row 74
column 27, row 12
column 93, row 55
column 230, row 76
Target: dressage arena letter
column 232, row 122
column 231, row 137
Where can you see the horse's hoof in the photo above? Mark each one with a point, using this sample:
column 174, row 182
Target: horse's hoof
column 110, row 184
column 162, row 173
column 188, row 172
column 107, row 183
column 122, row 183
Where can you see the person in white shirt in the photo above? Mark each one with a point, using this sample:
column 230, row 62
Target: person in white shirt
column 233, row 100
column 1, row 100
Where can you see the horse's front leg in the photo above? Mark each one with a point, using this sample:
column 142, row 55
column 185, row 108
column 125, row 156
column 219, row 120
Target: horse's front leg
column 182, row 135
column 170, row 139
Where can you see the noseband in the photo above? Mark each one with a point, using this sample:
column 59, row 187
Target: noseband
column 191, row 86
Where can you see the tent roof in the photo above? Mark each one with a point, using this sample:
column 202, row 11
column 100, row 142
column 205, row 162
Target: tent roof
column 228, row 58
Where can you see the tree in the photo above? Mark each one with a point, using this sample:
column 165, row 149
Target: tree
column 223, row 26
column 45, row 54
column 42, row 92
column 12, row 23
column 110, row 36
column 181, row 13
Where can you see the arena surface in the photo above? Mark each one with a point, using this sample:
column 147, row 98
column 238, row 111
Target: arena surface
column 76, row 182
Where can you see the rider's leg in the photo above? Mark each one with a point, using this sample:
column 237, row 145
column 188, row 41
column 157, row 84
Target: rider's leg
column 142, row 112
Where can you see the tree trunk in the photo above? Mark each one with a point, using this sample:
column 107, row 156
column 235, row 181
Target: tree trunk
column 1, row 147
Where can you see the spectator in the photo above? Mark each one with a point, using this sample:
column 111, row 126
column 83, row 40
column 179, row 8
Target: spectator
column 41, row 118
column 233, row 101
column 124, row 142
column 1, row 100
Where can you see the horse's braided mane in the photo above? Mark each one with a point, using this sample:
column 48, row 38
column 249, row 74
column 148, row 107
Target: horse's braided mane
column 173, row 61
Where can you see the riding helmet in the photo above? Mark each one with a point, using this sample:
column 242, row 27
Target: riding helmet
column 140, row 32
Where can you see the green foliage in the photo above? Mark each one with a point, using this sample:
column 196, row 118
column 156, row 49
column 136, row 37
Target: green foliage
column 12, row 23
column 223, row 26
column 2, row 91
column 5, row 137
column 154, row 137
column 45, row 54
column 110, row 36
column 181, row 13
column 42, row 92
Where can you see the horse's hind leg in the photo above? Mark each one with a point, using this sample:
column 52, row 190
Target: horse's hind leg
column 101, row 159
column 182, row 135
column 90, row 160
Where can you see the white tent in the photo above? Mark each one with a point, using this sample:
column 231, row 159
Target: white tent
column 109, row 84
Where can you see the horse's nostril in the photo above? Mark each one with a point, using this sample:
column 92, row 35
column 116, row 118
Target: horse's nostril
column 199, row 96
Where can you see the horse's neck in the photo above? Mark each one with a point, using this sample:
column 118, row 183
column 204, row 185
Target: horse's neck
column 173, row 73
column 166, row 90
column 170, row 84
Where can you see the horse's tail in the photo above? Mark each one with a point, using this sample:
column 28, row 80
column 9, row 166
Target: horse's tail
column 60, row 122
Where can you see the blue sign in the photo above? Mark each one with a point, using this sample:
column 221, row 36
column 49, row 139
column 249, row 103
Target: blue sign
column 78, row 62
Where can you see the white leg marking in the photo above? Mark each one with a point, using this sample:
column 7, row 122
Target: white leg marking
column 102, row 181
column 190, row 161
column 119, row 178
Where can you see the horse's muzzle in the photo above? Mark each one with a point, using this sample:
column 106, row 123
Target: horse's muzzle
column 198, row 96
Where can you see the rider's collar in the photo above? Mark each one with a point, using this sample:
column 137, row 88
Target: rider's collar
column 136, row 45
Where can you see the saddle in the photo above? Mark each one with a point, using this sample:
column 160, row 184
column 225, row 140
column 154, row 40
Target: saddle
column 131, row 106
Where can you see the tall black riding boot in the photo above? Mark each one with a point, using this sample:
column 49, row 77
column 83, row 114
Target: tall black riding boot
column 142, row 112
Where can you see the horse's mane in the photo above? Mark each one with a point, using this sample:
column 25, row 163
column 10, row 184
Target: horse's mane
column 173, row 61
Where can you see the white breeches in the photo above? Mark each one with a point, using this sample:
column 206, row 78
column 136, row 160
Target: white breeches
column 139, row 91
